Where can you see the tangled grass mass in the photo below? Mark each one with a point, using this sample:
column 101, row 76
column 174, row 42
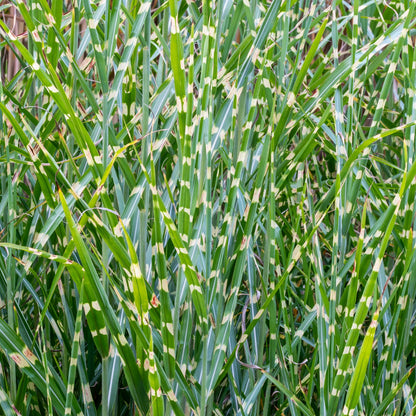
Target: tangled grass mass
column 207, row 207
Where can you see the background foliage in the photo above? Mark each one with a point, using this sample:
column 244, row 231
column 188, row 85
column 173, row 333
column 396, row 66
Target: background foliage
column 207, row 207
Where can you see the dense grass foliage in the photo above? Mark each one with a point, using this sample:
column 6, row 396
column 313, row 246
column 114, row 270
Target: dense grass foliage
column 207, row 207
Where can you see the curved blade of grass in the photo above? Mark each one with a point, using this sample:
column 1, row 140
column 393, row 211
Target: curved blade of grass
column 357, row 380
column 102, row 306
